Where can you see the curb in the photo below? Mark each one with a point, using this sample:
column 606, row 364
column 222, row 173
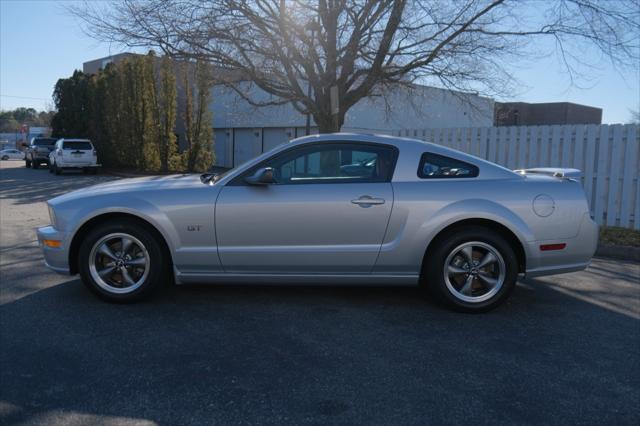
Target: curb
column 619, row 252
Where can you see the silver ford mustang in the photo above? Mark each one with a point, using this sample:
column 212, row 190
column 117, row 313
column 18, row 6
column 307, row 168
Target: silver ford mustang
column 338, row 209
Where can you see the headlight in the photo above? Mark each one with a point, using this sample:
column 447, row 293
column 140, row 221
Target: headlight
column 52, row 215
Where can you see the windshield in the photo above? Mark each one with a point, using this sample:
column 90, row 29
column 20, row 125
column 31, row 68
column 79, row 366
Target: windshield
column 78, row 145
column 44, row 141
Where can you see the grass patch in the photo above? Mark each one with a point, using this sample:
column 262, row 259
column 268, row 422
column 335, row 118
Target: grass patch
column 615, row 236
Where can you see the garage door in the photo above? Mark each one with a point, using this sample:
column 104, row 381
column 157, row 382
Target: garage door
column 246, row 145
column 274, row 137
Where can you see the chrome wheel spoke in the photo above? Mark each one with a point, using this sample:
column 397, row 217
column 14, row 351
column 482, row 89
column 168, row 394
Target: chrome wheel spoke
column 487, row 279
column 454, row 270
column 488, row 259
column 467, row 288
column 139, row 261
column 104, row 249
column 107, row 272
column 467, row 253
column 126, row 245
column 126, row 277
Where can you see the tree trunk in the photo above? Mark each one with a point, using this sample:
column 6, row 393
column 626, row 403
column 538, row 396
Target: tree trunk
column 328, row 123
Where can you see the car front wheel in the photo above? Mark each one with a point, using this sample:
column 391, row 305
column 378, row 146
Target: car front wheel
column 122, row 262
column 472, row 270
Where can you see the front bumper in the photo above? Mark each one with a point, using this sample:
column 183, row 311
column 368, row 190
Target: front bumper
column 55, row 258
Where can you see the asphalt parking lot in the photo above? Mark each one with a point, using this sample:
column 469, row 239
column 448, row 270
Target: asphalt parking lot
column 564, row 349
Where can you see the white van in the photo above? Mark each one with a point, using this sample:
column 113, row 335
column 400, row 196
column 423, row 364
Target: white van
column 73, row 154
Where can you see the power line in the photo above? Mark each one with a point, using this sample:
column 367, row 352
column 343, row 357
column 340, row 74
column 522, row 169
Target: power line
column 25, row 97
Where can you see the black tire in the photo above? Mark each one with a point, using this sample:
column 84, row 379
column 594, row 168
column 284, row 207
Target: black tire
column 5, row 157
column 445, row 253
column 27, row 164
column 35, row 165
column 159, row 265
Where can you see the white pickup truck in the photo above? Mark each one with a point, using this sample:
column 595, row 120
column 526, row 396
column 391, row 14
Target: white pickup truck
column 73, row 154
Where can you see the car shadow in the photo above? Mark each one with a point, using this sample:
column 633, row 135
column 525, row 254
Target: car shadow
column 295, row 354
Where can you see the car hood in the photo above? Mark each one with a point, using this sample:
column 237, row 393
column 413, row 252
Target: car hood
column 143, row 184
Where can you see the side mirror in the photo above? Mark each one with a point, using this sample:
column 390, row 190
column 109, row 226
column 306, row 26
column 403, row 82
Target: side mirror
column 208, row 178
column 262, row 176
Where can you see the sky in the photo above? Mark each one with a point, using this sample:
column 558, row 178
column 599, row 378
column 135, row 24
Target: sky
column 40, row 43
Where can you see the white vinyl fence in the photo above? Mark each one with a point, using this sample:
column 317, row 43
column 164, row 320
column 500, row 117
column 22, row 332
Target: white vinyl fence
column 608, row 155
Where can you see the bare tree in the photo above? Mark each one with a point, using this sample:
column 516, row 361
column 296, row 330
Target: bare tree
column 345, row 50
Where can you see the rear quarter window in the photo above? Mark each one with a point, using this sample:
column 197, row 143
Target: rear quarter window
column 83, row 146
column 435, row 166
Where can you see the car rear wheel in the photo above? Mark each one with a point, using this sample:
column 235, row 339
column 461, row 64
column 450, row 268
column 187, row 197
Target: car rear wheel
column 27, row 164
column 472, row 269
column 122, row 262
column 5, row 157
column 35, row 164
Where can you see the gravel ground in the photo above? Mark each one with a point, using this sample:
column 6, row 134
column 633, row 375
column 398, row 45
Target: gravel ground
column 564, row 349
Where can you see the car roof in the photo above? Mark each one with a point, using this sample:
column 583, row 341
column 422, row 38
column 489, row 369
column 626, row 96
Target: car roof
column 75, row 140
column 397, row 141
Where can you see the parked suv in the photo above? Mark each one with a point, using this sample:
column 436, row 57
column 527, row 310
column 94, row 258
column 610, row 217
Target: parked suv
column 73, row 154
column 37, row 152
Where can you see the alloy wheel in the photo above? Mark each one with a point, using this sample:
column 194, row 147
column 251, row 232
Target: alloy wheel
column 474, row 272
column 119, row 263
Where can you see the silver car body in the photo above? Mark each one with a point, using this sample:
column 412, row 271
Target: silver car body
column 12, row 154
column 317, row 234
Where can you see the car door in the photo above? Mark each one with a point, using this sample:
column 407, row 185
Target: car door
column 327, row 213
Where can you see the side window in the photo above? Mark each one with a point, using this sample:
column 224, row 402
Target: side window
column 434, row 166
column 332, row 163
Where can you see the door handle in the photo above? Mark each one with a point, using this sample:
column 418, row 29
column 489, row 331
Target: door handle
column 366, row 201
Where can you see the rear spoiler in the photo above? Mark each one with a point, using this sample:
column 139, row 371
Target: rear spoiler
column 552, row 171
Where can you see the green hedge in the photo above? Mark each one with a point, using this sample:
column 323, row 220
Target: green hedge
column 129, row 111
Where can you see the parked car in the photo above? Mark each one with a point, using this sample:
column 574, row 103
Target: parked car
column 37, row 151
column 423, row 214
column 11, row 154
column 73, row 154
